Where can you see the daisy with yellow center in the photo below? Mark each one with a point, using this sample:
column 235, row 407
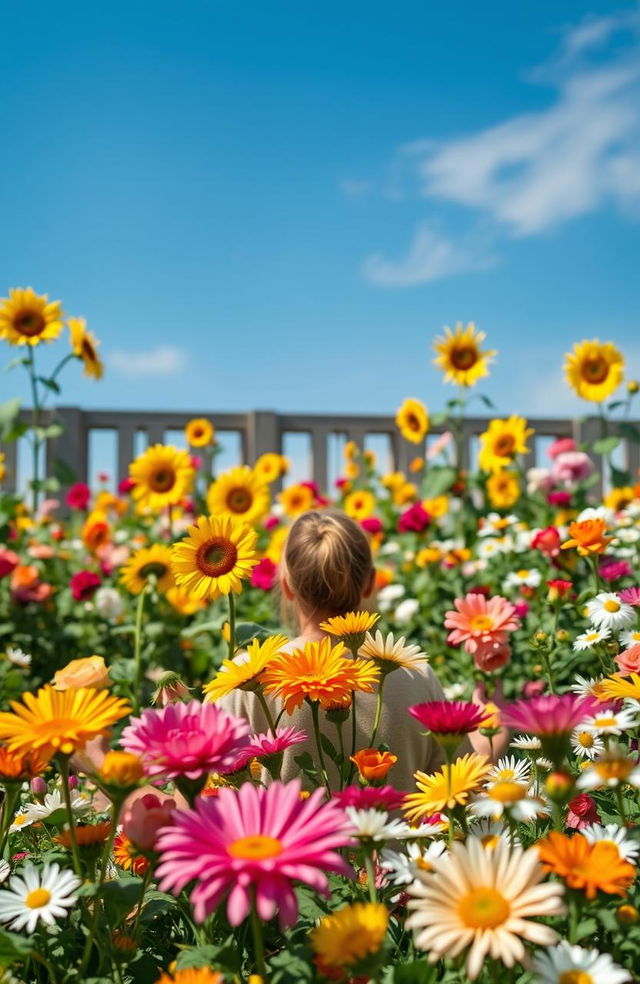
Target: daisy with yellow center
column 199, row 433
column 52, row 722
column 412, row 420
column 38, row 896
column 296, row 499
column 460, row 356
column 241, row 494
column 242, row 673
column 502, row 442
column 163, row 476
column 360, row 504
column 27, row 318
column 450, row 786
column 393, row 654
column 85, row 347
column 149, row 563
column 215, row 557
column 594, row 370
column 350, row 935
column 510, row 797
column 613, row 768
column 351, row 628
column 503, row 489
column 483, row 899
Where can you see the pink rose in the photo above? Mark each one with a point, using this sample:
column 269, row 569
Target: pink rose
column 533, row 688
column 629, row 660
column 571, row 467
column 582, row 812
column 562, row 445
column 144, row 817
column 371, row 525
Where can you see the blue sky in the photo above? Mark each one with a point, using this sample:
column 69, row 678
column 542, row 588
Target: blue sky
column 280, row 205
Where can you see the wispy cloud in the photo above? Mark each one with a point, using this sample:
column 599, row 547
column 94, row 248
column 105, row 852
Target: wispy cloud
column 532, row 171
column 164, row 360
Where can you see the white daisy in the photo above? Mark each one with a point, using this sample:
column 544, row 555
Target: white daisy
column 628, row 848
column 607, row 722
column 613, row 768
column 394, row 654
column 494, row 546
column 401, row 866
column 510, row 769
column 5, row 871
column 585, row 744
column 406, row 610
column 555, row 965
column 513, row 798
column 389, row 594
column 528, row 743
column 585, row 687
column 606, row 611
column 631, row 637
column 53, row 802
column 493, row 523
column 373, row 825
column 490, row 832
column 35, row 896
column 589, row 639
column 527, row 577
column 21, row 819
column 455, row 691
column 18, row 657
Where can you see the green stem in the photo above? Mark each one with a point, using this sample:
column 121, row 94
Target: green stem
column 63, row 766
column 48, row 966
column 376, row 720
column 11, row 795
column 353, row 733
column 137, row 650
column 258, row 942
column 232, row 624
column 315, row 714
column 35, row 424
column 371, row 877
column 265, row 710
column 339, row 725
column 145, row 885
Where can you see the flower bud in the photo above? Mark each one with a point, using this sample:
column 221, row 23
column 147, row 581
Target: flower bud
column 558, row 785
column 373, row 765
column 121, row 769
column 627, row 914
column 633, row 386
column 39, row 787
column 171, row 689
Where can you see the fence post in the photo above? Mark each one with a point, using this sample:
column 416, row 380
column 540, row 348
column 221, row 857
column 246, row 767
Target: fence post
column 71, row 447
column 263, row 434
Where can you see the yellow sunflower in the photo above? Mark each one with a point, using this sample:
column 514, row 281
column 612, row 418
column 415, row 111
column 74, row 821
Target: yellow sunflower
column 350, row 935
column 149, row 561
column 85, row 346
column 296, row 499
column 503, row 489
column 269, row 467
column 214, row 558
column 199, row 433
column 27, row 318
column 360, row 505
column 618, row 499
column 243, row 674
column 412, row 420
column 594, row 369
column 183, row 602
column 502, row 441
column 450, row 786
column 163, row 475
column 239, row 493
column 460, row 356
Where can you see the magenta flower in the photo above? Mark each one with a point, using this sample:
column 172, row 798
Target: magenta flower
column 253, row 841
column 444, row 717
column 186, row 740
column 263, row 575
column 265, row 744
column 384, row 798
column 549, row 714
column 415, row 519
column 480, row 622
column 613, row 570
column 630, row 596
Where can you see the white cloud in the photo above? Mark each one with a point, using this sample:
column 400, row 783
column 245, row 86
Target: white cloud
column 164, row 360
column 430, row 257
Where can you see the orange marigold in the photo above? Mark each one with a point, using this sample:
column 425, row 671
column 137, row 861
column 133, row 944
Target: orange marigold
column 588, row 537
column 20, row 766
column 585, row 866
column 126, row 856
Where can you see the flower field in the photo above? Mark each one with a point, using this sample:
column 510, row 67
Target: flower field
column 151, row 832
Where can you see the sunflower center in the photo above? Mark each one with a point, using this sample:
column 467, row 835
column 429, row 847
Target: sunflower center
column 162, row 479
column 504, row 445
column 481, row 623
column 595, row 370
column 154, row 568
column 483, row 908
column 616, row 769
column 256, row 847
column 216, row 557
column 29, row 323
column 38, row 898
column 464, row 356
column 412, row 422
column 88, row 350
column 239, row 499
column 585, row 739
column 611, row 606
column 507, row 791
column 575, row 977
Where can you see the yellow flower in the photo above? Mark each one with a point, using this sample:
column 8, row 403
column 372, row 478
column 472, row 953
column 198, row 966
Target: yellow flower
column 428, row 555
column 502, row 441
column 163, row 476
column 90, row 671
column 296, row 499
column 96, row 530
column 239, row 493
column 360, row 505
column 183, row 602
column 437, row 507
column 617, row 687
column 52, row 721
column 85, row 346
column 594, row 369
column 149, row 561
column 3, row 470
column 243, row 673
column 416, row 464
column 276, row 544
column 351, row 450
column 350, row 934
column 27, row 318
column 121, row 769
column 352, row 469
column 215, row 557
column 192, row 975
column 617, row 499
column 412, row 420
column 460, row 356
column 350, row 628
column 449, row 787
column 503, row 489
column 269, row 467
column 199, row 433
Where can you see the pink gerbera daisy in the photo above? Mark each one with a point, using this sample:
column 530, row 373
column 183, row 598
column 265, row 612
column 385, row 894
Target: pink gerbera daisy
column 266, row 744
column 186, row 740
column 253, row 842
column 444, row 717
column 479, row 621
column 630, row 596
column 549, row 714
column 384, row 798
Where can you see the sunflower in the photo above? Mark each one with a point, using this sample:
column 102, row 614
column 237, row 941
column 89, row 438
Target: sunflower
column 296, row 499
column 27, row 318
column 154, row 561
column 3, row 469
column 412, row 420
column 351, row 628
column 351, row 934
column 618, row 687
column 53, row 722
column 199, row 433
column 449, row 787
column 215, row 557
column 619, row 498
column 240, row 493
column 360, row 505
column 460, row 356
column 85, row 346
column 243, row 674
column 585, row 866
column 503, row 489
column 594, row 370
column 183, row 602
column 269, row 467
column 163, row 475
column 502, row 441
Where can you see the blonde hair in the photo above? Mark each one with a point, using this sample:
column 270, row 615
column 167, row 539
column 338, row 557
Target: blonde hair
column 327, row 561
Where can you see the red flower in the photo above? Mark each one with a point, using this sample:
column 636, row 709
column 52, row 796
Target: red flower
column 559, row 589
column 368, row 797
column 8, row 561
column 547, row 541
column 582, row 812
column 125, row 486
column 613, row 570
column 414, row 520
column 561, row 499
column 78, row 496
column 263, row 575
column 371, row 525
column 533, row 688
column 271, row 522
column 562, row 445
column 26, row 585
column 84, row 585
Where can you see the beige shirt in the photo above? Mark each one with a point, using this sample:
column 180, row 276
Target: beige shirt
column 398, row 729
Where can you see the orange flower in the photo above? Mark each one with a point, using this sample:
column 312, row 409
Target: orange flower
column 96, row 530
column 372, row 764
column 588, row 537
column 87, row 835
column 126, row 856
column 20, row 766
column 585, row 866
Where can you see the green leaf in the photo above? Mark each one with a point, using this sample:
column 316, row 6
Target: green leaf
column 247, row 631
column 20, row 361
column 8, row 414
column 63, row 472
column 419, row 972
column 119, row 898
column 212, row 625
column 436, row 419
column 13, row 947
column 619, row 478
column 487, row 402
column 438, row 481
column 291, row 968
column 225, row 955
column 606, row 445
column 615, row 405
column 630, row 431
column 50, row 383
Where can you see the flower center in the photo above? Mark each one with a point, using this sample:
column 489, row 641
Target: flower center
column 256, row 847
column 88, row 350
column 239, row 500
column 522, row 574
column 575, row 977
column 605, row 722
column 29, row 323
column 595, row 370
column 464, row 356
column 216, row 557
column 611, row 606
column 507, row 792
column 585, row 739
column 163, row 479
column 20, row 819
column 481, row 623
column 38, row 898
column 490, row 840
column 154, row 568
column 614, row 770
column 504, row 445
column 483, row 908
column 412, row 422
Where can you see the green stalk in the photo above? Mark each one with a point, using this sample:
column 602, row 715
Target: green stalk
column 137, row 649
column 342, row 755
column 265, row 710
column 11, row 795
column 376, row 720
column 35, row 424
column 371, row 877
column 353, row 734
column 106, row 854
column 232, row 624
column 315, row 714
column 63, row 766
column 258, row 941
